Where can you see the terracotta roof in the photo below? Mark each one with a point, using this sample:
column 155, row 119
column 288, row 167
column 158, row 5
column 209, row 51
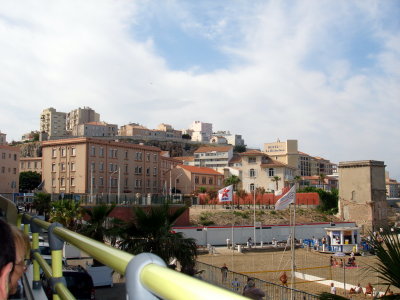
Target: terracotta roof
column 235, row 158
column 275, row 163
column 200, row 170
column 252, row 152
column 302, row 153
column 96, row 123
column 211, row 149
column 82, row 140
column 12, row 148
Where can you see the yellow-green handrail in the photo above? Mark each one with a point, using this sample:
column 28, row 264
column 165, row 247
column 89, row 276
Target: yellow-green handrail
column 157, row 279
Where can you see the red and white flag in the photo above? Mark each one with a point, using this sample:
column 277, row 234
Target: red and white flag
column 289, row 197
column 226, row 194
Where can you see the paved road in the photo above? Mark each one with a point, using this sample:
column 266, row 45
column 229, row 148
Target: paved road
column 117, row 292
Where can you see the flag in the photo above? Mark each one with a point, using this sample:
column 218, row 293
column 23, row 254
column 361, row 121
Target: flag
column 289, row 197
column 226, row 194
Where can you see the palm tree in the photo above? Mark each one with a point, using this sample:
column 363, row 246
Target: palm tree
column 41, row 202
column 276, row 179
column 232, row 180
column 66, row 212
column 387, row 250
column 241, row 194
column 260, row 190
column 296, row 180
column 151, row 231
column 322, row 180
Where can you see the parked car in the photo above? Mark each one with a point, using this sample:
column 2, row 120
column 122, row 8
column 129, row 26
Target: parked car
column 79, row 283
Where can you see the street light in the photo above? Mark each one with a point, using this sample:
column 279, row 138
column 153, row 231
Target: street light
column 254, row 209
column 109, row 187
column 176, row 179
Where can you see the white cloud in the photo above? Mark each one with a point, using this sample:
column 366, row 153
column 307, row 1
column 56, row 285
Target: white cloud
column 68, row 54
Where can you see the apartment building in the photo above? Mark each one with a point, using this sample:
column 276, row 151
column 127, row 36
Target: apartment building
column 95, row 129
column 213, row 157
column 392, row 187
column 9, row 169
column 187, row 179
column 260, row 170
column 164, row 131
column 231, row 139
column 170, row 132
column 3, row 138
column 33, row 164
column 84, row 165
column 53, row 123
column 80, row 116
column 201, row 132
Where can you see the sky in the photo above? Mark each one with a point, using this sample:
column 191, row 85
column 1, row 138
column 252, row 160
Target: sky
column 323, row 72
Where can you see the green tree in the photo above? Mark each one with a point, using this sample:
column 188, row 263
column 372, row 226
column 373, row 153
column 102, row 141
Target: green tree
column 232, row 180
column 66, row 212
column 321, row 179
column 387, row 250
column 260, row 191
column 151, row 231
column 42, row 204
column 28, row 181
column 328, row 199
column 239, row 148
column 276, row 179
column 296, row 180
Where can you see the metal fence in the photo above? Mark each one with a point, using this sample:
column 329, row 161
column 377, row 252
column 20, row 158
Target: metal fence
column 236, row 282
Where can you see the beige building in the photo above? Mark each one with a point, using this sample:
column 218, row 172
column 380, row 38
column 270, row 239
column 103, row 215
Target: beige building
column 80, row 116
column 362, row 193
column 392, row 187
column 33, row 164
column 170, row 132
column 9, row 169
column 260, row 170
column 53, row 123
column 201, row 132
column 95, row 129
column 284, row 152
column 89, row 165
column 188, row 179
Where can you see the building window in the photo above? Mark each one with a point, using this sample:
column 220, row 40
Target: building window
column 110, row 168
column 148, row 183
column 271, row 172
column 126, row 154
column 210, row 181
column 53, row 152
column 252, row 187
column 72, row 166
column 3, row 170
column 62, row 167
column 252, row 173
column 29, row 164
column 53, row 182
column 72, row 181
column 93, row 166
column 252, row 160
column 155, row 157
column 22, row 164
column 138, row 183
column 3, row 156
column 93, row 151
column 35, row 164
column 101, row 181
column 15, row 171
column 154, row 184
column 53, row 167
column 73, row 151
column 101, row 152
column 126, row 182
column 101, row 166
column 203, row 180
column 138, row 155
column 155, row 171
column 196, row 180
column 147, row 171
column 15, row 156
column 63, row 152
column 126, row 168
column 148, row 157
column 62, row 181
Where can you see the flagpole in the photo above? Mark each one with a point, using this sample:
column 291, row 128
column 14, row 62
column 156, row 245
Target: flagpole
column 293, row 284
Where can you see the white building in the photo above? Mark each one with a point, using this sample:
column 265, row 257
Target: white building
column 95, row 129
column 202, row 132
column 232, row 139
column 3, row 138
column 216, row 158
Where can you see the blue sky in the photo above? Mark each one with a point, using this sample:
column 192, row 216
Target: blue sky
column 326, row 73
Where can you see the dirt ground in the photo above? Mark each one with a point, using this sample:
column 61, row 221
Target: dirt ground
column 218, row 215
column 269, row 265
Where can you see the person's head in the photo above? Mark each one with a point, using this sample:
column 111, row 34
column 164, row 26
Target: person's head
column 358, row 284
column 332, row 284
column 7, row 257
column 251, row 283
column 22, row 246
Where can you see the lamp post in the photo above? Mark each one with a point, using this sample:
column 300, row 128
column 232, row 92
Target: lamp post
column 176, row 178
column 109, row 187
column 254, row 210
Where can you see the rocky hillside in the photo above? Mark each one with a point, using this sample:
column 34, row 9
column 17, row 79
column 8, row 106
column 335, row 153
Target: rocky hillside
column 219, row 216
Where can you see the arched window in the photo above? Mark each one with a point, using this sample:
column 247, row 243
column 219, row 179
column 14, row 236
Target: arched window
column 251, row 187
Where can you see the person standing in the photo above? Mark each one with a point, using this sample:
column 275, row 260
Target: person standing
column 333, row 289
column 235, row 285
column 224, row 272
column 283, row 278
column 7, row 258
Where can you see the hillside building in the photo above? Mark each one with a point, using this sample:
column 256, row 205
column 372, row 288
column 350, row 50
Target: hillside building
column 201, row 132
column 52, row 123
column 95, row 129
column 80, row 116
column 216, row 158
column 9, row 169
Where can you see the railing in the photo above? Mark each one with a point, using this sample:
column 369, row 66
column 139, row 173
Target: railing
column 236, row 282
column 147, row 276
